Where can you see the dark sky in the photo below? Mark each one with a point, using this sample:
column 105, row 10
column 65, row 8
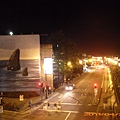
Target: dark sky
column 93, row 24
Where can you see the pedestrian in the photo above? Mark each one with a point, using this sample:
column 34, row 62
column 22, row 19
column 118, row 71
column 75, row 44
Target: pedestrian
column 48, row 105
column 55, row 106
column 44, row 107
column 59, row 105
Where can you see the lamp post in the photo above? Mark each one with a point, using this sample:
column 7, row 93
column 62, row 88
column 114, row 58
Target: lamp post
column 46, row 90
column 46, row 93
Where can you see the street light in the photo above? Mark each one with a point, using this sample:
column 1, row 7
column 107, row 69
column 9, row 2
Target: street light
column 69, row 63
column 80, row 62
column 11, row 33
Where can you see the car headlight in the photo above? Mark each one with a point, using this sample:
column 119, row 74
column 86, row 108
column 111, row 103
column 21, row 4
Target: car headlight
column 70, row 88
column 67, row 88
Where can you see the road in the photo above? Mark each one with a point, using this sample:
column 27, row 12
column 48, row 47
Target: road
column 83, row 103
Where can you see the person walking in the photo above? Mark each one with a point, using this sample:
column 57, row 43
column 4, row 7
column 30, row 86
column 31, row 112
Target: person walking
column 59, row 105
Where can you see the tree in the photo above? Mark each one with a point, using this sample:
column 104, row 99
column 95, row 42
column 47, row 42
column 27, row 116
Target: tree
column 65, row 50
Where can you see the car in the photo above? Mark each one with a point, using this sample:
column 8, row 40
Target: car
column 70, row 87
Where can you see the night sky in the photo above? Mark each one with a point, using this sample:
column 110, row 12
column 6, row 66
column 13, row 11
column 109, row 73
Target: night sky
column 94, row 25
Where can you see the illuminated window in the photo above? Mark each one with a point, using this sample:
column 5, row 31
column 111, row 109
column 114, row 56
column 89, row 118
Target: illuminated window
column 48, row 66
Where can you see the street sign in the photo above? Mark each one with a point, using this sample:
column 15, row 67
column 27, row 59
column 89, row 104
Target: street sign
column 21, row 97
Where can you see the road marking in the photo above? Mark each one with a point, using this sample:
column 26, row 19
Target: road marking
column 67, row 103
column 71, row 104
column 64, row 98
column 60, row 96
column 51, row 97
column 65, row 111
column 89, row 104
column 67, row 115
column 102, row 81
column 76, row 102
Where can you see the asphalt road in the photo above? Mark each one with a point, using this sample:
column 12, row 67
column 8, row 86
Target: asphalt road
column 83, row 103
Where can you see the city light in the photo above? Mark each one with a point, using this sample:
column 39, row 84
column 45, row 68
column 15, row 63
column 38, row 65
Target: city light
column 11, row 33
column 69, row 63
column 95, row 85
column 40, row 84
column 48, row 66
column 80, row 61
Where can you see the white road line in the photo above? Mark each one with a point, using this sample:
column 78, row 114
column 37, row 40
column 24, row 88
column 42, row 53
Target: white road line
column 89, row 104
column 60, row 96
column 65, row 111
column 70, row 104
column 76, row 102
column 64, row 98
column 67, row 115
column 47, row 100
column 102, row 81
column 66, row 103
column 51, row 97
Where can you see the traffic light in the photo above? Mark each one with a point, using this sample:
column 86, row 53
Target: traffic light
column 95, row 89
column 95, row 85
column 47, row 86
column 40, row 84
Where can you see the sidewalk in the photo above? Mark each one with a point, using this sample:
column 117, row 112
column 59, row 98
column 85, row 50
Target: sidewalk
column 36, row 102
column 108, row 98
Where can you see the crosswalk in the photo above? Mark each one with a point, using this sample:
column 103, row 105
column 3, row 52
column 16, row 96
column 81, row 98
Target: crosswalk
column 64, row 107
column 65, row 111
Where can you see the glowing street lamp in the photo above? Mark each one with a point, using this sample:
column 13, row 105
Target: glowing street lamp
column 69, row 63
column 11, row 33
column 80, row 62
